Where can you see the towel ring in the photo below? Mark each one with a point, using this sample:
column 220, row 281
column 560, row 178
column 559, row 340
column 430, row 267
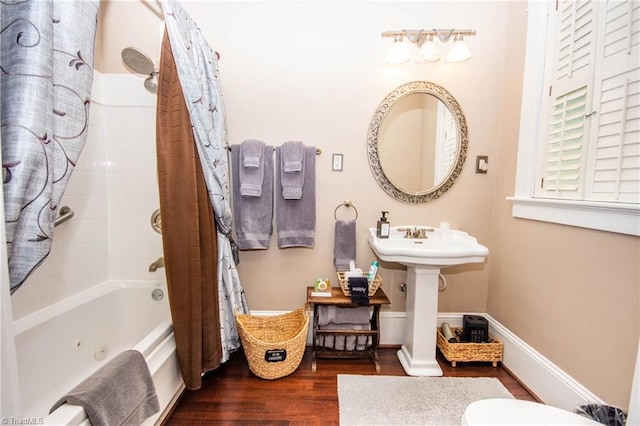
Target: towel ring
column 346, row 203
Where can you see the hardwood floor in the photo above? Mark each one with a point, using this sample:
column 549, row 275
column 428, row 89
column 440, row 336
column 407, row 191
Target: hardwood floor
column 233, row 395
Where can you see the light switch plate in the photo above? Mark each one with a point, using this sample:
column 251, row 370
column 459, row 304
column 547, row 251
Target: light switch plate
column 482, row 163
column 337, row 162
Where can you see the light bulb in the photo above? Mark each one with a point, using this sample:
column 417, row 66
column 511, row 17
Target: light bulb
column 398, row 54
column 459, row 51
column 428, row 51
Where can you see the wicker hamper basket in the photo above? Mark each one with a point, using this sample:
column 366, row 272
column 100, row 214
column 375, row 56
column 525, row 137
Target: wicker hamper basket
column 466, row 352
column 274, row 345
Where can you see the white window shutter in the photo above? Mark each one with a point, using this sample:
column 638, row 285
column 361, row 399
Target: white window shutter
column 615, row 174
column 561, row 172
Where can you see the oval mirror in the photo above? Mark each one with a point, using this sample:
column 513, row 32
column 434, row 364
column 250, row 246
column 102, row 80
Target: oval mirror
column 417, row 142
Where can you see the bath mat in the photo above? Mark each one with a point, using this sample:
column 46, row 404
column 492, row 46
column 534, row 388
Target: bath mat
column 402, row 400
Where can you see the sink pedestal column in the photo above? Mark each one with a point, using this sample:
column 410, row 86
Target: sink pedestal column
column 418, row 352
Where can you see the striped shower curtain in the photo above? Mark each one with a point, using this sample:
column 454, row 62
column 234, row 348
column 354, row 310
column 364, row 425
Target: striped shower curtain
column 46, row 61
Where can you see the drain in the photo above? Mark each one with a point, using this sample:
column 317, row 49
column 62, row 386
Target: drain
column 157, row 294
column 77, row 344
column 101, row 352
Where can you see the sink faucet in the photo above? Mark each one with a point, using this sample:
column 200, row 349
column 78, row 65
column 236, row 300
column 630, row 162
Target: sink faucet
column 416, row 232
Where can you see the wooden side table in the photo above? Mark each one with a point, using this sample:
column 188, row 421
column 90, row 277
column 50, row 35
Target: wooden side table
column 339, row 299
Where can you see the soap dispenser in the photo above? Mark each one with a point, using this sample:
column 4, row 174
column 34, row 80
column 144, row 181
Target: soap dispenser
column 382, row 230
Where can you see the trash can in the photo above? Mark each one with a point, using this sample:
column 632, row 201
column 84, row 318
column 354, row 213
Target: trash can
column 605, row 414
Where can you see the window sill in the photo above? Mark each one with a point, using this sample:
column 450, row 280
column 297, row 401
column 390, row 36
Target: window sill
column 609, row 217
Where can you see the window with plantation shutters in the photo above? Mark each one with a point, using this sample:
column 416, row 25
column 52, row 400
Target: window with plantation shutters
column 569, row 79
column 565, row 142
column 615, row 172
column 579, row 148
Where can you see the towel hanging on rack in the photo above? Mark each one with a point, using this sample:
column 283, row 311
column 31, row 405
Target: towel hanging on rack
column 344, row 244
column 296, row 219
column 251, row 167
column 253, row 216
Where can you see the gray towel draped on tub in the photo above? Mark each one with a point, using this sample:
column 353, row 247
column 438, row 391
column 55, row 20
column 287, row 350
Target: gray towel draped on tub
column 253, row 215
column 296, row 218
column 121, row 392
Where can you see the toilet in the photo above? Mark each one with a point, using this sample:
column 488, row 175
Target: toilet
column 517, row 412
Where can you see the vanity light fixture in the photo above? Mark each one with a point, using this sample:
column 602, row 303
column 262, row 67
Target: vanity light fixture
column 424, row 39
column 428, row 51
column 459, row 51
column 399, row 54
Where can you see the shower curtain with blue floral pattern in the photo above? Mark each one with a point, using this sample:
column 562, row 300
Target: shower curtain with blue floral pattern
column 46, row 61
column 197, row 67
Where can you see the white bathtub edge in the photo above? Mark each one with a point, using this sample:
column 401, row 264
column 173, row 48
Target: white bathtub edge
column 33, row 319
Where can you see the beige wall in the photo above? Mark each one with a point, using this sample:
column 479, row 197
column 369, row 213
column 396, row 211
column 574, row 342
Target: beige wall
column 314, row 71
column 569, row 292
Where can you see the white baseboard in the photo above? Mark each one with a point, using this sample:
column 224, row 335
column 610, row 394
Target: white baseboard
column 545, row 379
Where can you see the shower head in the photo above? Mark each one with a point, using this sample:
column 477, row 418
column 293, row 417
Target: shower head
column 138, row 62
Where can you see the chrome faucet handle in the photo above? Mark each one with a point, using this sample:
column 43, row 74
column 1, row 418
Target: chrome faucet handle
column 407, row 232
column 422, row 232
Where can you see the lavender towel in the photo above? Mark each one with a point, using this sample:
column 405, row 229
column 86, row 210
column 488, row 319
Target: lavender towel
column 344, row 244
column 292, row 170
column 121, row 392
column 296, row 219
column 253, row 216
column 251, row 168
column 344, row 343
column 335, row 315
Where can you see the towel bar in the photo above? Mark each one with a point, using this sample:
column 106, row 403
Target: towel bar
column 346, row 203
column 318, row 150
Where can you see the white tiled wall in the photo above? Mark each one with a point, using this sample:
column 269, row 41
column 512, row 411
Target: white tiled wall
column 113, row 192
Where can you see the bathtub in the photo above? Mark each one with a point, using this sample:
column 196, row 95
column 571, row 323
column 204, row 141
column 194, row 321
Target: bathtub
column 62, row 344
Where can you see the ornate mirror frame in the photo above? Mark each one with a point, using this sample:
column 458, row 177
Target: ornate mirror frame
column 373, row 141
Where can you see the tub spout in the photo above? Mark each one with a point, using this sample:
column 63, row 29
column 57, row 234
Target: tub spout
column 159, row 263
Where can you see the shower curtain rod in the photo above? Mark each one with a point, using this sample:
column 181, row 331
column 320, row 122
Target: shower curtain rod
column 157, row 12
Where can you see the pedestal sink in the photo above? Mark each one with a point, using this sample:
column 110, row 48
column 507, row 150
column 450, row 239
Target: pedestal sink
column 424, row 257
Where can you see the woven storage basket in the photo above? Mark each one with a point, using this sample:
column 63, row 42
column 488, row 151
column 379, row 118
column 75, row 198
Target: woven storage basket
column 466, row 352
column 274, row 345
column 344, row 284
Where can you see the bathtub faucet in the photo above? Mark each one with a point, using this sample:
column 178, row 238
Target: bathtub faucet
column 159, row 263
